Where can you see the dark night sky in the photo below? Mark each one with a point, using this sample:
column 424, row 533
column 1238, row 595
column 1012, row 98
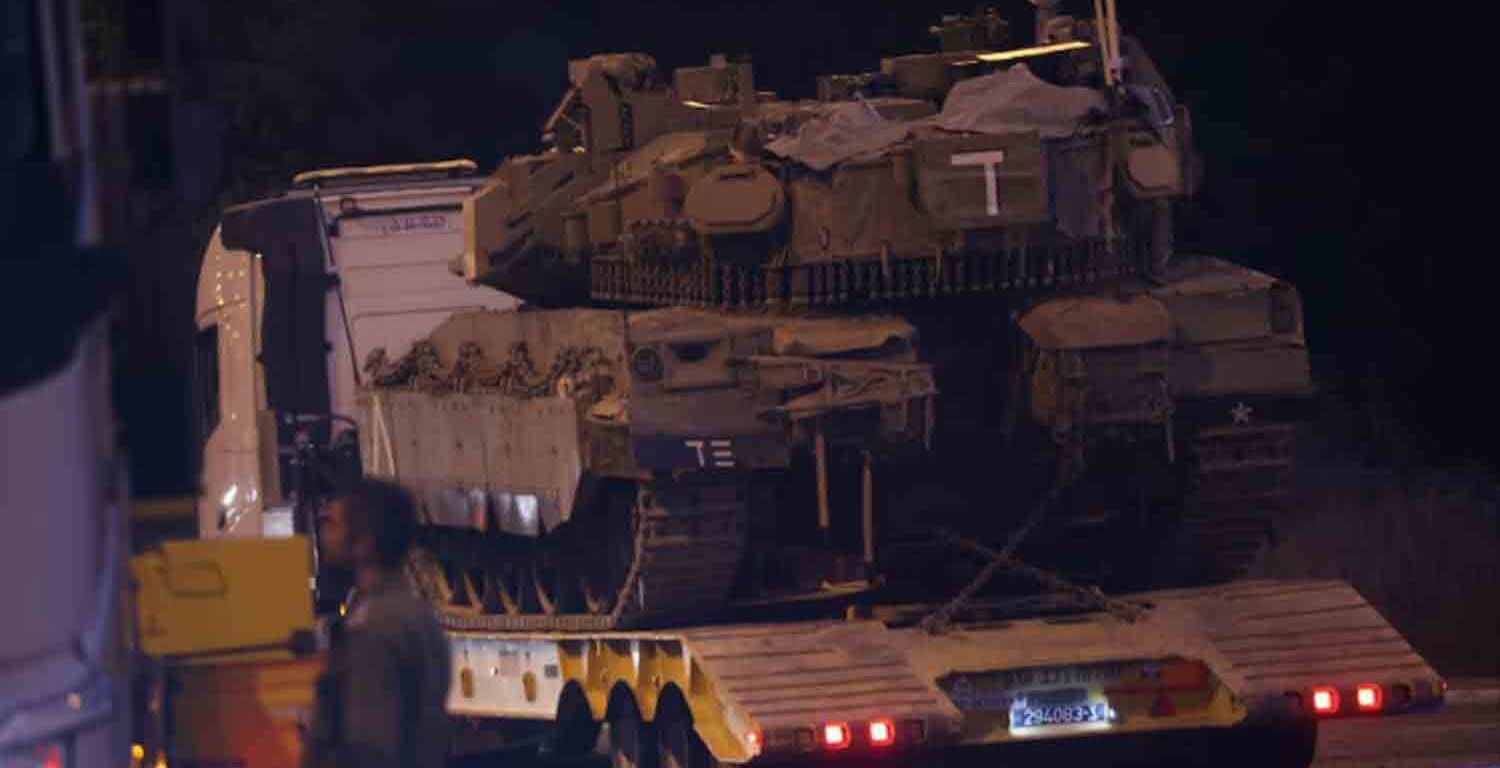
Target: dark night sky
column 1329, row 137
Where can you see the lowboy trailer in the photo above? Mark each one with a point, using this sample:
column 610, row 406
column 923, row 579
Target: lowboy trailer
column 1233, row 674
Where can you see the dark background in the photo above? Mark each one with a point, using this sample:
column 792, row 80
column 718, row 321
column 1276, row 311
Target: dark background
column 1342, row 153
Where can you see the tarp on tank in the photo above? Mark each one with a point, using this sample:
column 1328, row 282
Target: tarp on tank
column 842, row 131
column 790, row 336
column 820, row 337
column 1010, row 101
column 1015, row 100
column 1092, row 322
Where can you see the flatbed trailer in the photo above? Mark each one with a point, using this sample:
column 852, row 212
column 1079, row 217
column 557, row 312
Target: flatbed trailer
column 1272, row 654
column 1242, row 671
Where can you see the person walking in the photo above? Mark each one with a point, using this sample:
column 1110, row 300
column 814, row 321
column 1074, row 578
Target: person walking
column 380, row 701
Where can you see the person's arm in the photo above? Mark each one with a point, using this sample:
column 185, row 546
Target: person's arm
column 372, row 700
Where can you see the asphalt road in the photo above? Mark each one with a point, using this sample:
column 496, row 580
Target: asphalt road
column 1460, row 735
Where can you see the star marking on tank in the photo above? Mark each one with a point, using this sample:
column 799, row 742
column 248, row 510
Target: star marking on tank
column 1241, row 413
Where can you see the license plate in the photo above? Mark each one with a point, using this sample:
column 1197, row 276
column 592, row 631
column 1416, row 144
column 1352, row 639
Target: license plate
column 1001, row 690
column 1049, row 708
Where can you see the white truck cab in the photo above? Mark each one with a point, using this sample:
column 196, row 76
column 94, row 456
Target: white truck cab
column 376, row 243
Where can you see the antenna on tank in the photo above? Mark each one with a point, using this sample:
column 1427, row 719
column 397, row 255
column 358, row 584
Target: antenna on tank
column 1107, row 29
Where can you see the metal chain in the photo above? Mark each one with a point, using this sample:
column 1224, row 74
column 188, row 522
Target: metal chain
column 941, row 618
column 1088, row 595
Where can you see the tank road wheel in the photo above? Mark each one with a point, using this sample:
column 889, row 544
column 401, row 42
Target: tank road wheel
column 632, row 741
column 678, row 743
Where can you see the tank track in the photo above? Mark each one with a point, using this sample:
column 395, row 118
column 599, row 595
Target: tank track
column 1240, row 478
column 683, row 555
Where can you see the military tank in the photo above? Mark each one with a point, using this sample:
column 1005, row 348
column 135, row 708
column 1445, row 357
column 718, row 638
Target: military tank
column 740, row 310
column 618, row 482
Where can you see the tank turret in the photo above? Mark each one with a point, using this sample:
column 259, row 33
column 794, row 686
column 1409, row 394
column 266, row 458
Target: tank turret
column 975, row 168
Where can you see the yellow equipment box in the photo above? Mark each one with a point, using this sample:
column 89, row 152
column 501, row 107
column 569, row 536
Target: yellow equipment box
column 202, row 597
column 220, row 614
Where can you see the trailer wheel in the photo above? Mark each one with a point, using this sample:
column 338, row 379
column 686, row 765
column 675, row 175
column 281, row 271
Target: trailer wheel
column 632, row 741
column 577, row 731
column 1292, row 745
column 678, row 744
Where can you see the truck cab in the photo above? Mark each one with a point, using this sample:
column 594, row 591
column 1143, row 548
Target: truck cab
column 360, row 260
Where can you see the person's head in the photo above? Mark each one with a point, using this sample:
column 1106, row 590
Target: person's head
column 369, row 525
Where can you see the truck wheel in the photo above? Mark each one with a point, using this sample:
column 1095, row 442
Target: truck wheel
column 678, row 743
column 632, row 742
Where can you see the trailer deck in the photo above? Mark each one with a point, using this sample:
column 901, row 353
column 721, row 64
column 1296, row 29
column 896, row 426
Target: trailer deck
column 1197, row 658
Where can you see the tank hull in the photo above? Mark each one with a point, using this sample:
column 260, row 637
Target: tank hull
column 599, row 468
column 571, row 463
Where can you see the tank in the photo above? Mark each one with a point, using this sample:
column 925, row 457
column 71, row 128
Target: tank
column 713, row 268
column 606, row 467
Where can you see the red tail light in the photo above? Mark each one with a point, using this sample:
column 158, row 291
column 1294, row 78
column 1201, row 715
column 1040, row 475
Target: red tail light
column 1369, row 697
column 1325, row 700
column 836, row 735
column 882, row 733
